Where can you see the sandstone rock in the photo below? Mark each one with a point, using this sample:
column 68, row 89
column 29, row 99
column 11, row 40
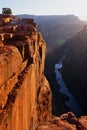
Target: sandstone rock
column 82, row 123
column 7, row 20
column 28, row 21
column 8, row 54
column 57, row 124
column 1, row 22
column 43, row 99
column 4, row 21
column 7, row 36
column 16, row 28
column 1, row 37
column 61, row 123
column 1, row 44
column 70, row 117
column 25, row 95
column 9, row 29
column 5, row 16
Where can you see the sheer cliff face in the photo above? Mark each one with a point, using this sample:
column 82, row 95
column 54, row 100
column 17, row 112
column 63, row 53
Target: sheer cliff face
column 25, row 96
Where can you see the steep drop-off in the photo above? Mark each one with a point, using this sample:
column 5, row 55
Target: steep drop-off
column 75, row 67
column 25, row 95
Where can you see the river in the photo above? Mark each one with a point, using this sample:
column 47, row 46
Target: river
column 71, row 103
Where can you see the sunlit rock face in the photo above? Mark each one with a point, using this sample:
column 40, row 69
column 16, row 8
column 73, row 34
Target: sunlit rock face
column 25, row 95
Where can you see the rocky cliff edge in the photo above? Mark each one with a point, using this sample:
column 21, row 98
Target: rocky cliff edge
column 25, row 95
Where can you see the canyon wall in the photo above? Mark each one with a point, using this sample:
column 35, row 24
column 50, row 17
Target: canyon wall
column 25, row 95
column 75, row 67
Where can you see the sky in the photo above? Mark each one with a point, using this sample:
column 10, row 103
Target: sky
column 47, row 7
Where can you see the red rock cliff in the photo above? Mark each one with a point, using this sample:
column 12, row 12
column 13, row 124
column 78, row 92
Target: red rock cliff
column 25, row 96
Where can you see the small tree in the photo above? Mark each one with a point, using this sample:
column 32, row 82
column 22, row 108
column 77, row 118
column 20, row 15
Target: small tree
column 7, row 11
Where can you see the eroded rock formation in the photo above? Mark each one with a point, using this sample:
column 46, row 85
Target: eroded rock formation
column 66, row 121
column 25, row 96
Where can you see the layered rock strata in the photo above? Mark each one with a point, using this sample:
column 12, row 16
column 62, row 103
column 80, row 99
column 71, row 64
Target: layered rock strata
column 25, row 95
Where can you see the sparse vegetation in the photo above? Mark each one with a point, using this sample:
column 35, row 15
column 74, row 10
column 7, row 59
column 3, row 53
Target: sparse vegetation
column 7, row 11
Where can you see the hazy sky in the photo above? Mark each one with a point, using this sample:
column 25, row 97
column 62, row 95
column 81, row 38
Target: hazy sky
column 47, row 7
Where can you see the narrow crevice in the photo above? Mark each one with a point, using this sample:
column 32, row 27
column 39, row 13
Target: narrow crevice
column 40, row 52
column 12, row 96
column 30, row 60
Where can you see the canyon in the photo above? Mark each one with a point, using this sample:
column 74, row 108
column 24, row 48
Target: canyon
column 25, row 94
column 74, row 69
column 64, row 89
column 56, row 29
